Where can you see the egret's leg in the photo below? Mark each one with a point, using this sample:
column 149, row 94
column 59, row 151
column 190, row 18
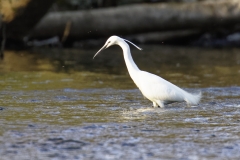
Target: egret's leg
column 160, row 104
column 188, row 104
column 155, row 105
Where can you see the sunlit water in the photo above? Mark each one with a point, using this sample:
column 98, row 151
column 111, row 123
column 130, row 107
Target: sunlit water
column 61, row 104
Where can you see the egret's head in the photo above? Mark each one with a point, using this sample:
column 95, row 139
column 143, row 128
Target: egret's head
column 113, row 40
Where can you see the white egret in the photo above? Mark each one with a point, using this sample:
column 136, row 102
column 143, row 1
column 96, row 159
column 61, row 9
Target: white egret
column 153, row 87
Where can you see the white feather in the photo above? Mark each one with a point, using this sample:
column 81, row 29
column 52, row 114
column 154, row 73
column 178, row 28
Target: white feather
column 158, row 89
column 153, row 87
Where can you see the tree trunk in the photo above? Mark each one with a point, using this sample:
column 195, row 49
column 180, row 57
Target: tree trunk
column 139, row 19
column 20, row 16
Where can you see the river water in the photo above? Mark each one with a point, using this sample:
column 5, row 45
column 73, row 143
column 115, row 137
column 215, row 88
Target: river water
column 61, row 104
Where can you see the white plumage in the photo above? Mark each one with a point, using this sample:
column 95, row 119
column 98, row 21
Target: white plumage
column 153, row 87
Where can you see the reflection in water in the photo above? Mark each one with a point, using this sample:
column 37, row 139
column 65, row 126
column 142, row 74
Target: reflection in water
column 200, row 67
column 61, row 104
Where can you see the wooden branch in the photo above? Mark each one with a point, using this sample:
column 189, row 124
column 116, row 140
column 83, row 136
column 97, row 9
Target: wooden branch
column 140, row 18
column 3, row 35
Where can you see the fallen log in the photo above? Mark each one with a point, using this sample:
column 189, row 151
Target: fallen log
column 177, row 36
column 142, row 18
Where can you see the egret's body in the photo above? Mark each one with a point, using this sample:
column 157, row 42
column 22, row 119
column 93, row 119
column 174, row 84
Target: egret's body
column 153, row 87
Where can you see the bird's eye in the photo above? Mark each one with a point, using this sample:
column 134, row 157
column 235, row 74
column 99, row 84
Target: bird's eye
column 109, row 41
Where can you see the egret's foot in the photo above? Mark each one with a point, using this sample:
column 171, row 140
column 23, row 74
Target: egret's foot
column 154, row 105
column 160, row 104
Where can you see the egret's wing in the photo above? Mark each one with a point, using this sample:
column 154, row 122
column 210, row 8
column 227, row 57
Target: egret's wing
column 154, row 87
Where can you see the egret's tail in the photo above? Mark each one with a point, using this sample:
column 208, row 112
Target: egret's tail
column 192, row 99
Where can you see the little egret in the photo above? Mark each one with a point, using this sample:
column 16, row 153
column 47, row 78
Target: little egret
column 153, row 87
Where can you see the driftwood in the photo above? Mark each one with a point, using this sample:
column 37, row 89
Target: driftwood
column 173, row 37
column 142, row 18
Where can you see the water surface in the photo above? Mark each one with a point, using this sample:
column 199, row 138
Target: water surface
column 61, row 104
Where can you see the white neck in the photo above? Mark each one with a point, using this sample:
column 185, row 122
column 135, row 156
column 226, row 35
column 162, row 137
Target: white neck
column 131, row 66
